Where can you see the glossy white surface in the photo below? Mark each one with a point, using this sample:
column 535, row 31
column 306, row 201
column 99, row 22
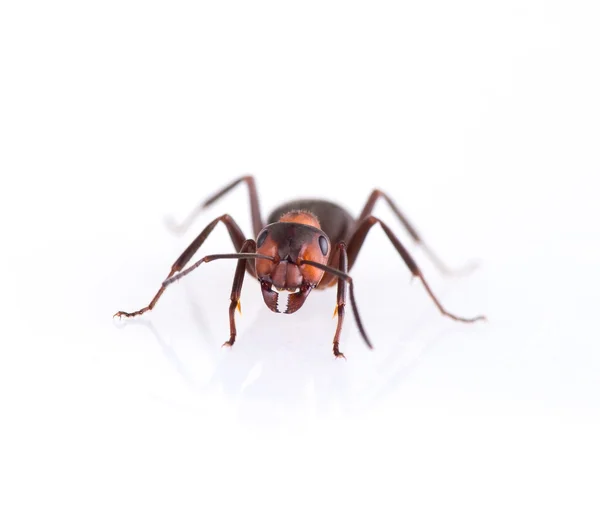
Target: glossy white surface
column 482, row 123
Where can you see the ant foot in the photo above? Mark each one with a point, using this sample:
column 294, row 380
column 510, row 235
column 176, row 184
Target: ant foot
column 173, row 226
column 460, row 272
column 468, row 320
column 129, row 314
column 337, row 354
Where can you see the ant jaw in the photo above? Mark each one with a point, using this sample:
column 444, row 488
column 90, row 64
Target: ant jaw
column 294, row 301
column 270, row 296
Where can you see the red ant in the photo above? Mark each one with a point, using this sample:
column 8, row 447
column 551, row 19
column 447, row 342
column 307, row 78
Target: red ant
column 306, row 244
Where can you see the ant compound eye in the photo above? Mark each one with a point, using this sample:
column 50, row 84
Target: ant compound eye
column 261, row 239
column 324, row 245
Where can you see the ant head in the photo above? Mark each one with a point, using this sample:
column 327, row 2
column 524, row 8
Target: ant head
column 295, row 238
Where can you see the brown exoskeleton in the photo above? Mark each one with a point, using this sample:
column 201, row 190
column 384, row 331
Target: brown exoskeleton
column 306, row 244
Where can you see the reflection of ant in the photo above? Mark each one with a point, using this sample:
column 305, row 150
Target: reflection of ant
column 306, row 244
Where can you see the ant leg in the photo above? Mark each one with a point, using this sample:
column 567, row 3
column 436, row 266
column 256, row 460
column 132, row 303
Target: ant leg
column 341, row 299
column 257, row 223
column 236, row 290
column 368, row 209
column 237, row 238
column 341, row 276
column 357, row 240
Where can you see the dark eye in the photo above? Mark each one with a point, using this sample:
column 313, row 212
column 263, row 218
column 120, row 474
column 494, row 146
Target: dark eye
column 261, row 239
column 324, row 245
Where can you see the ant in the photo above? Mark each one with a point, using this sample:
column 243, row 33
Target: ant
column 306, row 244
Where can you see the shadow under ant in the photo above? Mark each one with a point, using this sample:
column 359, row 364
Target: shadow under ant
column 281, row 379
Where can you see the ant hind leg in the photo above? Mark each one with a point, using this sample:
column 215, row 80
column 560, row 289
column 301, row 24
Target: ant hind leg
column 442, row 267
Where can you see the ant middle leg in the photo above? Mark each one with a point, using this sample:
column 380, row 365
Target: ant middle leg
column 357, row 239
column 367, row 211
column 237, row 238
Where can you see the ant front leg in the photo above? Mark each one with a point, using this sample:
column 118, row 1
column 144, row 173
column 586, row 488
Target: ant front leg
column 236, row 290
column 340, row 306
column 357, row 239
column 368, row 209
column 237, row 238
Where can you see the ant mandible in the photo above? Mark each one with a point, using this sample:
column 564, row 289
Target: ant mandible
column 306, row 244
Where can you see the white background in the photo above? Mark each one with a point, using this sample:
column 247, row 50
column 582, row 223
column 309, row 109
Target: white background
column 480, row 119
